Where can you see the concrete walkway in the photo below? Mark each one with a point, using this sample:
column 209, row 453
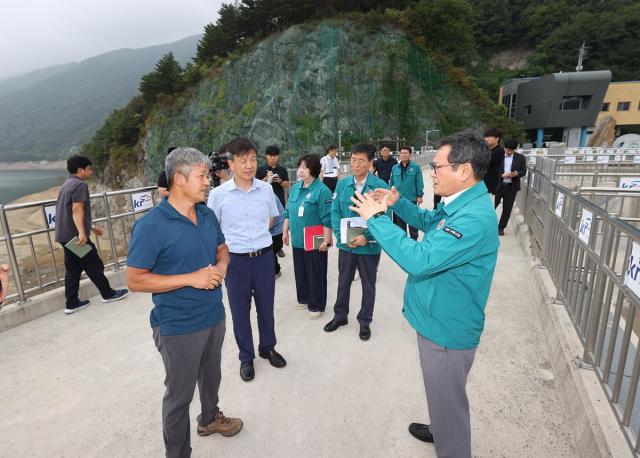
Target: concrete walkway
column 91, row 384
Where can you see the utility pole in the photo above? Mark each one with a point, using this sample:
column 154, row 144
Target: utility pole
column 584, row 52
column 339, row 145
column 426, row 137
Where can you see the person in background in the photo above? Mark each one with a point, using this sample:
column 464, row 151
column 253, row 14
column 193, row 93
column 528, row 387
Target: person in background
column 513, row 167
column 4, row 281
column 276, row 234
column 73, row 219
column 309, row 205
column 245, row 208
column 492, row 140
column 330, row 168
column 274, row 174
column 449, row 277
column 163, row 184
column 384, row 164
column 406, row 177
column 183, row 266
column 277, row 176
column 361, row 252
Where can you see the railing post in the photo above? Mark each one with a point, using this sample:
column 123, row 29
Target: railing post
column 112, row 240
column 594, row 180
column 12, row 254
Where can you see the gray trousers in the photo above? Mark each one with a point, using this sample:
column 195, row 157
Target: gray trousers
column 445, row 378
column 367, row 265
column 189, row 359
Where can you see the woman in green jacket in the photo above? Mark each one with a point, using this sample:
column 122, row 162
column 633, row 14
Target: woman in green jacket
column 309, row 205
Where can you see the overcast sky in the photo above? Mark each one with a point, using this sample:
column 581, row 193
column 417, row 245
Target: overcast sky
column 41, row 33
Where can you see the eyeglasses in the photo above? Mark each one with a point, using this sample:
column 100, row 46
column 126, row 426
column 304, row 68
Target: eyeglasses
column 435, row 167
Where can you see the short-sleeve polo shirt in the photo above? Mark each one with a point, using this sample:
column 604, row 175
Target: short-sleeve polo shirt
column 168, row 243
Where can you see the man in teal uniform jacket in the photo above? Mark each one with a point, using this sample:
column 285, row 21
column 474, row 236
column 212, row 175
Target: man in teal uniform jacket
column 450, row 272
column 406, row 176
column 361, row 252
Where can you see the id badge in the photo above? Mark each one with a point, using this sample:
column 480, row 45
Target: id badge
column 300, row 211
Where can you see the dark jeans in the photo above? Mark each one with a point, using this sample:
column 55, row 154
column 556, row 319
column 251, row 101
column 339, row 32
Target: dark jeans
column 310, row 268
column 92, row 265
column 277, row 246
column 507, row 194
column 367, row 265
column 189, row 359
column 252, row 278
column 413, row 232
column 330, row 182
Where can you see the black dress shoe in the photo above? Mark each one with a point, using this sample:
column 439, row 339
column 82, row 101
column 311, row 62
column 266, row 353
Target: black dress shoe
column 274, row 358
column 365, row 332
column 421, row 432
column 247, row 372
column 334, row 324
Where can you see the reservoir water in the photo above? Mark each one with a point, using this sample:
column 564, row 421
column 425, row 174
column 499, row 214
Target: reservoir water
column 18, row 183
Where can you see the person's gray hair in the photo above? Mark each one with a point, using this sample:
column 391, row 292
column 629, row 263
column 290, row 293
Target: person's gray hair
column 183, row 160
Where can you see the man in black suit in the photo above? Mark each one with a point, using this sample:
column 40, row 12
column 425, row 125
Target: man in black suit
column 513, row 166
column 492, row 140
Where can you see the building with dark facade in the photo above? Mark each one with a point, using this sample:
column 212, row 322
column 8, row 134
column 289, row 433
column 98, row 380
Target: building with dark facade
column 561, row 107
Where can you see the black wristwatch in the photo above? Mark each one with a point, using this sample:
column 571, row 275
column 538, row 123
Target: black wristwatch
column 328, row 244
column 378, row 215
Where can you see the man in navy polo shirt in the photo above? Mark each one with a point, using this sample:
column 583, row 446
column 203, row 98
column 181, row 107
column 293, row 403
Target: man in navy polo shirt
column 183, row 266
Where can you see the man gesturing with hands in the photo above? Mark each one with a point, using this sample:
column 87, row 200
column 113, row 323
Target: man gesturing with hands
column 178, row 253
column 449, row 277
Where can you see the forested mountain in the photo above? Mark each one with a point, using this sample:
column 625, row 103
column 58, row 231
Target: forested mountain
column 44, row 113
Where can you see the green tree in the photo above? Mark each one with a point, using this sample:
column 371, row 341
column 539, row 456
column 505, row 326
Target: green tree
column 223, row 37
column 167, row 79
column 445, row 26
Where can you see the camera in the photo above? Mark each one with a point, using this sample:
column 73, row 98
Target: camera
column 219, row 162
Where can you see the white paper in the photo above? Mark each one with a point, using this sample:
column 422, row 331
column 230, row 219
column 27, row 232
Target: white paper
column 559, row 204
column 603, row 159
column 569, row 159
column 141, row 201
column 355, row 221
column 629, row 182
column 50, row 211
column 584, row 231
column 632, row 276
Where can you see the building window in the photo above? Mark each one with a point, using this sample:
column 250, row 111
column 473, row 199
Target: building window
column 527, row 109
column 624, row 106
column 576, row 102
column 605, row 106
column 512, row 111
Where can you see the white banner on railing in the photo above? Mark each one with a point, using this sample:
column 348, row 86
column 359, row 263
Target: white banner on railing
column 603, row 159
column 636, row 159
column 141, row 201
column 632, row 279
column 629, row 182
column 50, row 211
column 584, row 231
column 569, row 159
column 617, row 158
column 559, row 204
column 588, row 158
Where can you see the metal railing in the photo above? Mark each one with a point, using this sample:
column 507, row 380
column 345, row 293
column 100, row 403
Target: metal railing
column 589, row 253
column 35, row 268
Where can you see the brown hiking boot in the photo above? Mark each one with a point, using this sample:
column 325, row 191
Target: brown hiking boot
column 226, row 426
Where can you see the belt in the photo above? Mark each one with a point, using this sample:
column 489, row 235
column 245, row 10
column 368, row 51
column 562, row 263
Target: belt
column 255, row 254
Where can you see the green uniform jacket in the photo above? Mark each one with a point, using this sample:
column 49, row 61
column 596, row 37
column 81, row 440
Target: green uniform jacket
column 411, row 186
column 450, row 269
column 345, row 190
column 316, row 200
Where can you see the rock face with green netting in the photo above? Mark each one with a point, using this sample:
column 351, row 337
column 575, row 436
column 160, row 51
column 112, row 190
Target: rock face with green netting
column 299, row 88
